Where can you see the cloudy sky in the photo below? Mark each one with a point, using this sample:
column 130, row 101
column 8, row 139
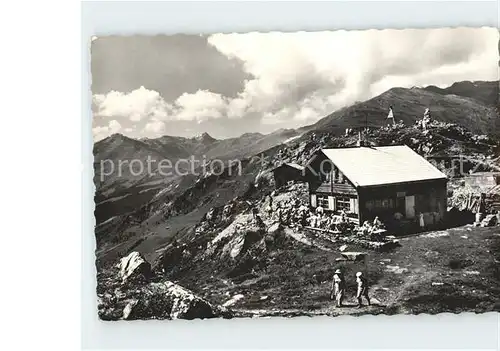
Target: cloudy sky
column 230, row 84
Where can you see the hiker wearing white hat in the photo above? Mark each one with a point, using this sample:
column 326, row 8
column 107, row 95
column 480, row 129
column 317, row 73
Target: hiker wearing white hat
column 338, row 287
column 362, row 289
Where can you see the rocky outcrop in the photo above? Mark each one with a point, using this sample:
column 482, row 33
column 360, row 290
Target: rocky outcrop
column 237, row 237
column 134, row 268
column 219, row 217
column 141, row 298
column 167, row 300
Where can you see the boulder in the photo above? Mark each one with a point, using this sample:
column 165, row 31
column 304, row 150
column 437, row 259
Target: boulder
column 233, row 300
column 134, row 268
column 236, row 226
column 128, row 308
column 354, row 256
column 275, row 228
column 237, row 237
column 489, row 221
column 235, row 246
column 167, row 300
column 243, row 240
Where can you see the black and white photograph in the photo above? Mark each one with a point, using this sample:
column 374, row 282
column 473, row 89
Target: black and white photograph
column 285, row 174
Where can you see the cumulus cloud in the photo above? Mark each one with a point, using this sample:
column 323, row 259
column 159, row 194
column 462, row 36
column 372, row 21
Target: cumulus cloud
column 199, row 106
column 144, row 104
column 101, row 132
column 135, row 105
column 304, row 76
column 297, row 78
column 155, row 127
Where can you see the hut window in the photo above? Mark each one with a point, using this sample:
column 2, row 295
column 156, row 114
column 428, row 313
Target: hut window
column 387, row 203
column 369, row 205
column 343, row 203
column 322, row 201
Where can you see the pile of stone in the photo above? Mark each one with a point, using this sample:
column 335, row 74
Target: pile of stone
column 489, row 220
column 481, row 205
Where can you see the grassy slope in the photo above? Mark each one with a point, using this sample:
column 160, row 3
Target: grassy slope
column 402, row 280
column 485, row 92
column 410, row 104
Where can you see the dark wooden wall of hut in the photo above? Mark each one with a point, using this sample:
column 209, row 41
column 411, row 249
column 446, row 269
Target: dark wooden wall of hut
column 284, row 173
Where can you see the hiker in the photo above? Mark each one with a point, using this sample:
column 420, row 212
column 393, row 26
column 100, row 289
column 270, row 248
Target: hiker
column 421, row 221
column 332, row 225
column 338, row 287
column 319, row 210
column 362, row 289
column 365, row 228
column 377, row 223
column 312, row 221
column 343, row 216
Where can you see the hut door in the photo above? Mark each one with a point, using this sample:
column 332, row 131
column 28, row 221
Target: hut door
column 410, row 206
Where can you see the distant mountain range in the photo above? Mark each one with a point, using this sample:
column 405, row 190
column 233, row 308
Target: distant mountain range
column 119, row 147
column 118, row 177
